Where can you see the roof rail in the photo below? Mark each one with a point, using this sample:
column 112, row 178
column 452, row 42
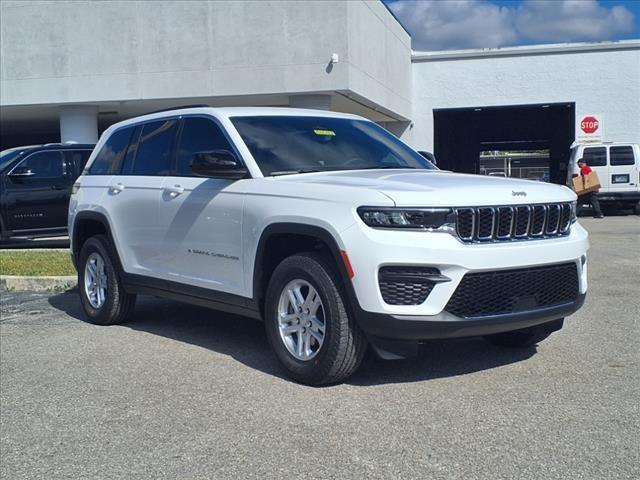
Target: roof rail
column 180, row 107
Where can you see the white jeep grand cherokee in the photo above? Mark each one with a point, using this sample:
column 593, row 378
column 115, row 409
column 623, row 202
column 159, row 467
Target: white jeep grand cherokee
column 325, row 226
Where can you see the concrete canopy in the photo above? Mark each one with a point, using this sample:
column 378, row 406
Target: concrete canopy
column 128, row 58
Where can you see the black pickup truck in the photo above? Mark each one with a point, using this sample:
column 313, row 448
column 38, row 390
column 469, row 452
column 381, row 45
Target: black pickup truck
column 35, row 186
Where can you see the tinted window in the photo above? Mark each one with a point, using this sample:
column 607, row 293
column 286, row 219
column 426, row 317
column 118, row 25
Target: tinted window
column 110, row 156
column 198, row 135
column 127, row 164
column 8, row 156
column 595, row 156
column 284, row 144
column 621, row 156
column 76, row 160
column 154, row 148
column 41, row 165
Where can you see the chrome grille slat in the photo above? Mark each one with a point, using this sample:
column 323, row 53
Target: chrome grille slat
column 553, row 219
column 565, row 218
column 508, row 223
column 505, row 222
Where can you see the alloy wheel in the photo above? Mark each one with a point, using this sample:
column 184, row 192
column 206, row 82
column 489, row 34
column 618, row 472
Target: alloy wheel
column 95, row 280
column 301, row 319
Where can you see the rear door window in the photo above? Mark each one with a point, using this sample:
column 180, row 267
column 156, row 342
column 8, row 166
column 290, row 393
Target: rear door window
column 621, row 155
column 595, row 156
column 198, row 135
column 155, row 148
column 109, row 158
column 76, row 160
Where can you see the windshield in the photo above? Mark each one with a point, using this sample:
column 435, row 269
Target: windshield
column 288, row 144
column 8, row 156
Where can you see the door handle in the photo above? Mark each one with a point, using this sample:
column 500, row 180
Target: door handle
column 58, row 187
column 116, row 189
column 174, row 191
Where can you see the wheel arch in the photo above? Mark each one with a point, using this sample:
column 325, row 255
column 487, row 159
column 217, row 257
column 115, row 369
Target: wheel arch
column 264, row 265
column 86, row 225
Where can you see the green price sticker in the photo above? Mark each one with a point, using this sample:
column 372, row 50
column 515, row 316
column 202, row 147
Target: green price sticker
column 328, row 133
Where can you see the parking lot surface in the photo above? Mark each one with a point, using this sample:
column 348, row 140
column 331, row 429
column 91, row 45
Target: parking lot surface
column 184, row 392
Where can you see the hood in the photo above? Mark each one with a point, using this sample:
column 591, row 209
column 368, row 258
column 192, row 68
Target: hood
column 419, row 188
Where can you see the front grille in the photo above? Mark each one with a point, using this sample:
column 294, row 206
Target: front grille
column 511, row 291
column 406, row 285
column 520, row 222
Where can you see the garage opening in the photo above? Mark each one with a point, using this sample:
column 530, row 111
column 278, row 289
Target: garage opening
column 523, row 141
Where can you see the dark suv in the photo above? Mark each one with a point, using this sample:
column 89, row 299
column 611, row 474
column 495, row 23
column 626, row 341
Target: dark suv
column 35, row 186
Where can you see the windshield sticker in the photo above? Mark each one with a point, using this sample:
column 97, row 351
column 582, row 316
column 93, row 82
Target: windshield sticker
column 327, row 133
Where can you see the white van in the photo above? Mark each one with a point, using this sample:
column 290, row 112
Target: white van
column 618, row 168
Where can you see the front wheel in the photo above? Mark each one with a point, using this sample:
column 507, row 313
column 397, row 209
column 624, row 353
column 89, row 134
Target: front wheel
column 103, row 297
column 308, row 324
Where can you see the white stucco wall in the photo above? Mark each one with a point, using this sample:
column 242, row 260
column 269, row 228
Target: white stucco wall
column 603, row 81
column 71, row 52
column 379, row 56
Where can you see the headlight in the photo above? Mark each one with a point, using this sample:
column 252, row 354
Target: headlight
column 408, row 218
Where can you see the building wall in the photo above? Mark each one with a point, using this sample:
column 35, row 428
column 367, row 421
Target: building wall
column 72, row 52
column 605, row 82
column 383, row 76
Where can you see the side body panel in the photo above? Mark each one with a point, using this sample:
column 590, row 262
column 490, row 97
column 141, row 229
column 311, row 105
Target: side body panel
column 200, row 240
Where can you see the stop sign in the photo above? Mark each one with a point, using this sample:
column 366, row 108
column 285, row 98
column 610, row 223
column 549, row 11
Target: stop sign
column 589, row 124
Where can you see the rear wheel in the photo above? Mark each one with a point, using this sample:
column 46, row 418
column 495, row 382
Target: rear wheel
column 308, row 324
column 526, row 337
column 103, row 297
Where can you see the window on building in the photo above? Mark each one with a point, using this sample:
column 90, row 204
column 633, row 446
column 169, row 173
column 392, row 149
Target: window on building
column 41, row 165
column 198, row 135
column 621, row 156
column 154, row 148
column 595, row 156
column 110, row 156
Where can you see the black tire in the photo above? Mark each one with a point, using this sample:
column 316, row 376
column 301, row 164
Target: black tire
column 526, row 337
column 344, row 343
column 636, row 208
column 3, row 233
column 118, row 304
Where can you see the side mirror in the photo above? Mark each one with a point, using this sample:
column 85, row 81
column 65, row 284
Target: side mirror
column 429, row 156
column 22, row 172
column 217, row 164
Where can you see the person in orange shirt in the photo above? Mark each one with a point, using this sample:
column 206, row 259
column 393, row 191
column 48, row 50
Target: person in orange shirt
column 591, row 198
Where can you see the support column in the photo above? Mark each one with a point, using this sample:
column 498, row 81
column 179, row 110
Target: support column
column 314, row 101
column 79, row 124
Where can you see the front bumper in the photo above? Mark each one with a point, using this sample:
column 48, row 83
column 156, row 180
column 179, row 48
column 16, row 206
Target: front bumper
column 445, row 325
column 370, row 249
column 619, row 196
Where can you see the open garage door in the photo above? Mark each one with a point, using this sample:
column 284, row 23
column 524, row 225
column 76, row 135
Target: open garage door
column 531, row 141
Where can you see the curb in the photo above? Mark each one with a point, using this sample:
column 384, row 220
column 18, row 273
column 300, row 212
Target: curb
column 11, row 283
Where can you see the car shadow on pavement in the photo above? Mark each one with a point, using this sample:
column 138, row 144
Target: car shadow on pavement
column 239, row 337
column 438, row 359
column 244, row 340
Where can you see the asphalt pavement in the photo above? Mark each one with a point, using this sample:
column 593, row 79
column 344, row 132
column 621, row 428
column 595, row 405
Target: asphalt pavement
column 185, row 392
